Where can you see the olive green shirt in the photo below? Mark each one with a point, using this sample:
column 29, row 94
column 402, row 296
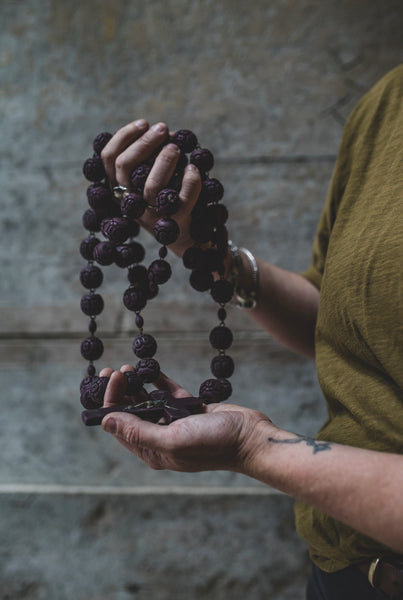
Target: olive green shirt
column 358, row 266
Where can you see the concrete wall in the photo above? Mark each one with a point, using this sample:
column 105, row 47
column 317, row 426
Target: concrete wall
column 267, row 87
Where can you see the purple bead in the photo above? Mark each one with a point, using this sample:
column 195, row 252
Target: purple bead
column 144, row 345
column 148, row 369
column 92, row 304
column 134, row 298
column 175, row 183
column 160, row 271
column 133, row 205
column 139, row 176
column 221, row 337
column 212, row 259
column 181, row 164
column 222, row 366
column 128, row 254
column 138, row 251
column 162, row 252
column 215, row 390
column 100, row 141
column 201, row 231
column 93, row 391
column 138, row 275
column 100, row 198
column 115, row 229
column 216, row 214
column 201, row 280
column 222, row 314
column 166, row 231
column 91, row 220
column 222, row 291
column 203, row 159
column 139, row 321
column 212, row 189
column 167, row 202
column 92, row 327
column 104, row 253
column 93, row 169
column 193, row 258
column 152, row 290
column 91, row 370
column 134, row 383
column 92, row 348
column 134, row 228
column 87, row 247
column 184, row 139
column 91, row 277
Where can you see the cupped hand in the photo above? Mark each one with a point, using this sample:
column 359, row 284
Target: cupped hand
column 223, row 437
column 136, row 143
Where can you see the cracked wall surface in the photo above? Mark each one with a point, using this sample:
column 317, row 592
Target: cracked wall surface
column 267, row 87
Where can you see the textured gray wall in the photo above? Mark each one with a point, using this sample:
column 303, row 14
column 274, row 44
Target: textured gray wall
column 267, row 86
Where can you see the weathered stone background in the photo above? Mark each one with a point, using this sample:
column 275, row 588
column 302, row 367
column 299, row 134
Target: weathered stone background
column 267, row 86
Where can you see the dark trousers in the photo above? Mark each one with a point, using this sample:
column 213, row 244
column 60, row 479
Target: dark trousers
column 347, row 584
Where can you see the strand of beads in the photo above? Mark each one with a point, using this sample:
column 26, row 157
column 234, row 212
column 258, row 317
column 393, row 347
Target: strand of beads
column 118, row 225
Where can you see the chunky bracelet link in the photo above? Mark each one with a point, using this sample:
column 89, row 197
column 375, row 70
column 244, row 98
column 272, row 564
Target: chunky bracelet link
column 245, row 297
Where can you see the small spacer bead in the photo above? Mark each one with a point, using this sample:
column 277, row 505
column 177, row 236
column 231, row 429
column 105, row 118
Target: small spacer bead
column 163, row 251
column 139, row 321
column 222, row 314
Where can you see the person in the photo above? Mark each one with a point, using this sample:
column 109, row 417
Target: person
column 346, row 311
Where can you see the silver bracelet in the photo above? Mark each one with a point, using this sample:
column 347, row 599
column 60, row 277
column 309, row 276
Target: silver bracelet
column 244, row 298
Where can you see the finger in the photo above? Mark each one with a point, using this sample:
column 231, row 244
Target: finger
column 118, row 143
column 190, row 190
column 106, row 372
column 161, row 172
column 138, row 152
column 115, row 390
column 126, row 368
column 165, row 383
column 135, row 433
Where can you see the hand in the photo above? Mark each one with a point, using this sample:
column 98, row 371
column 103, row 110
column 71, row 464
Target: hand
column 224, row 437
column 137, row 142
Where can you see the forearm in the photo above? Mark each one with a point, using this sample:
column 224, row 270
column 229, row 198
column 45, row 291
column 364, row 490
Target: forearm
column 361, row 488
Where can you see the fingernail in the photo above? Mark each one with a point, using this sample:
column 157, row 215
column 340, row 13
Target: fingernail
column 191, row 167
column 111, row 426
column 141, row 123
column 160, row 127
column 173, row 147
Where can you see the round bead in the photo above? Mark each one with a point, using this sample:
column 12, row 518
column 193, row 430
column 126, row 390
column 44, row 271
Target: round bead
column 222, row 291
column 212, row 189
column 139, row 176
column 166, row 231
column 203, row 159
column 221, row 337
column 134, row 383
column 105, row 253
column 185, row 140
column 216, row 214
column 133, row 205
column 144, row 345
column 193, row 258
column 91, row 277
column 93, row 169
column 128, row 254
column 212, row 259
column 91, row 220
column 167, row 202
column 115, row 229
column 222, row 366
column 100, row 141
column 201, row 280
column 93, row 391
column 201, row 231
column 152, row 290
column 87, row 247
column 175, row 183
column 148, row 369
column 134, row 298
column 92, row 304
column 138, row 275
column 160, row 271
column 92, row 348
column 100, row 198
column 215, row 390
column 133, row 228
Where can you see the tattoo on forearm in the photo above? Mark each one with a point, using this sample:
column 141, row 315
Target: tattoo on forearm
column 317, row 445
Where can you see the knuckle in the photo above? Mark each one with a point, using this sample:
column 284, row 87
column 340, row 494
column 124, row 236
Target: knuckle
column 122, row 162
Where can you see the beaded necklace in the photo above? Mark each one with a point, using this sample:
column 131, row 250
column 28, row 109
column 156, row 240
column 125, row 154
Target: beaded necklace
column 117, row 221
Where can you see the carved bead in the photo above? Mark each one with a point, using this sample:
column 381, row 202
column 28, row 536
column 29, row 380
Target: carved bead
column 201, row 231
column 93, row 169
column 100, row 198
column 138, row 274
column 160, row 271
column 128, row 254
column 91, row 277
column 166, row 231
column 201, row 280
column 222, row 366
column 115, row 229
column 100, row 141
column 133, row 205
column 91, row 220
column 134, row 383
column 93, row 391
column 105, row 253
column 148, row 369
column 193, row 258
column 152, row 290
column 144, row 345
column 222, row 291
column 167, row 202
column 215, row 390
column 212, row 189
column 203, row 159
column 92, row 348
column 139, row 176
column 134, row 298
column 185, row 139
column 87, row 247
column 92, row 304
column 216, row 214
column 221, row 337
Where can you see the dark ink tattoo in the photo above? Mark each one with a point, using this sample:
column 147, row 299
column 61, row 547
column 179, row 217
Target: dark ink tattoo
column 317, row 445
